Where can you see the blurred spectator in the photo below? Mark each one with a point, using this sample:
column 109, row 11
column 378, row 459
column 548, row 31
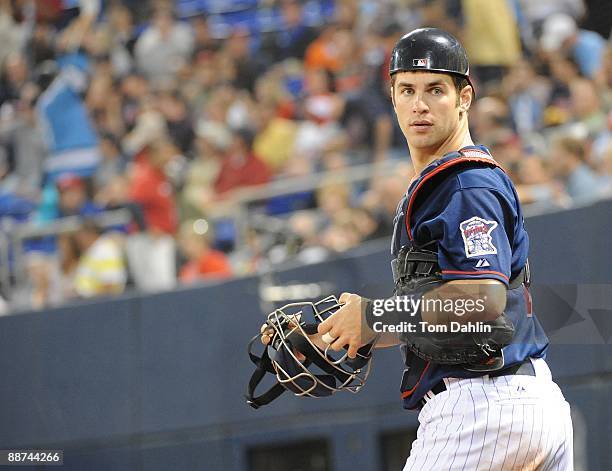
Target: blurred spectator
column 349, row 75
column 275, row 139
column 13, row 35
column 535, row 183
column 240, row 166
column 113, row 162
column 384, row 194
column 148, row 124
column 115, row 194
column 341, row 235
column 212, row 141
column 564, row 72
column 70, row 136
column 527, row 94
column 101, row 98
column 254, row 255
column 40, row 290
column 69, row 196
column 602, row 143
column 604, row 78
column 121, row 38
column 40, row 45
column 491, row 120
column 295, row 35
column 332, row 199
column 531, row 16
column 152, row 189
column 248, row 68
column 320, row 132
column 367, row 225
column 22, row 138
column 491, row 38
column 240, row 109
column 13, row 203
column 73, row 197
column 202, row 261
column 586, row 106
column 164, row 47
column 537, row 12
column 323, row 52
column 178, row 120
column 152, row 254
column 204, row 43
column 14, row 77
column 605, row 171
column 151, row 260
column 560, row 33
column 134, row 91
column 581, row 182
column 101, row 267
column 69, row 254
column 308, row 246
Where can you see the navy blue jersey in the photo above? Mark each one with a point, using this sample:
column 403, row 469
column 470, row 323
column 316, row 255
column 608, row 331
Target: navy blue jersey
column 464, row 206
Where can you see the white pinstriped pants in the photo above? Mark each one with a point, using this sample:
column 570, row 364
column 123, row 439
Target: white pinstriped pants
column 499, row 424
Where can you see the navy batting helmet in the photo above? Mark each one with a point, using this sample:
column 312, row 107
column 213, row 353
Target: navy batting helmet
column 430, row 49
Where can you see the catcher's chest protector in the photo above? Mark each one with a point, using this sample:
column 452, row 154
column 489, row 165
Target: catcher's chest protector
column 462, row 217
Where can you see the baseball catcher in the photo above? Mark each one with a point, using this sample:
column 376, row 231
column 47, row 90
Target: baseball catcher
column 459, row 240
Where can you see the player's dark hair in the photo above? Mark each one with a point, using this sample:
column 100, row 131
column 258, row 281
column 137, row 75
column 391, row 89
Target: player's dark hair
column 460, row 84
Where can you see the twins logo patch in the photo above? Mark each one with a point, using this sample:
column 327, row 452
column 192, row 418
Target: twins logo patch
column 476, row 233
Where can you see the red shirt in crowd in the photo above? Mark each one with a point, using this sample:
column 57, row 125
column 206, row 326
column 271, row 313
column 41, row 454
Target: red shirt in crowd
column 238, row 171
column 152, row 190
column 212, row 264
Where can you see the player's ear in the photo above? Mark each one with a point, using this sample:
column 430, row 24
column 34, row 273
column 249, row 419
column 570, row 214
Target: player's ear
column 392, row 95
column 465, row 98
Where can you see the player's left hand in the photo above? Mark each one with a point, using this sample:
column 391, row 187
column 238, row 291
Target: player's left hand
column 347, row 325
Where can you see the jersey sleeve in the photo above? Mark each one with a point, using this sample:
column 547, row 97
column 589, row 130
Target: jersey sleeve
column 74, row 71
column 472, row 238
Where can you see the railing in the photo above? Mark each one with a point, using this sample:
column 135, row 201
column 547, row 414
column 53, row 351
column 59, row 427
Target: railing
column 236, row 205
column 13, row 236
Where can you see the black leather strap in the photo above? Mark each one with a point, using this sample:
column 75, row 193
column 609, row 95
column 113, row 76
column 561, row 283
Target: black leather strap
column 297, row 341
column 525, row 368
column 523, row 278
column 263, row 365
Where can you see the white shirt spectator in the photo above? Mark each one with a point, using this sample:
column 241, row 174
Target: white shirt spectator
column 163, row 48
column 101, row 269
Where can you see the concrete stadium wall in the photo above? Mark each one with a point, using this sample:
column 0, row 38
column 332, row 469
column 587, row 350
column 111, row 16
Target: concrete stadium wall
column 157, row 382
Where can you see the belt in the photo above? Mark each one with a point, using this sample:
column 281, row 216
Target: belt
column 525, row 368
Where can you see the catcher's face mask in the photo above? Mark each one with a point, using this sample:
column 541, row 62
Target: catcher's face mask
column 298, row 364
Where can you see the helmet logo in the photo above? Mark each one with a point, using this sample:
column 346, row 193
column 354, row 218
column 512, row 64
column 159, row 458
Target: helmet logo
column 420, row 62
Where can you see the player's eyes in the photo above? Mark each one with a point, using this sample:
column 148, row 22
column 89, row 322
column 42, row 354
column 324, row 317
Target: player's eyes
column 436, row 91
column 407, row 91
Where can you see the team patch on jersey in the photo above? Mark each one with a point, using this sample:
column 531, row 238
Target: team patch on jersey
column 476, row 233
column 420, row 62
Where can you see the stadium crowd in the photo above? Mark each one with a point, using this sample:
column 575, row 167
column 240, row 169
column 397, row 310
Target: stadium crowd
column 169, row 110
